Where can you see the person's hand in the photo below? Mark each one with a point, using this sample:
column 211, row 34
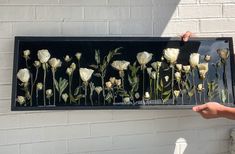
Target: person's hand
column 210, row 110
column 186, row 36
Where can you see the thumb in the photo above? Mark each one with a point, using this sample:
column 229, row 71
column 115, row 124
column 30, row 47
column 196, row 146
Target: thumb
column 199, row 108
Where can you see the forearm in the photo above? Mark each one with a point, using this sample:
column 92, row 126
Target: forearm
column 227, row 112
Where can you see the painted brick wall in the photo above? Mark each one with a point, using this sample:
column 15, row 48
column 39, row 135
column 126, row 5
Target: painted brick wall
column 109, row 131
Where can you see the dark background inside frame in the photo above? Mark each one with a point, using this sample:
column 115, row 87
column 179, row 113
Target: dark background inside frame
column 59, row 48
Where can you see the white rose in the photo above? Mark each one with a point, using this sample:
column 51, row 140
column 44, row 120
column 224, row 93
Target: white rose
column 179, row 67
column 200, row 87
column 126, row 99
column 69, row 71
column 43, row 55
column 21, row 99
column 194, row 59
column 118, row 82
column 49, row 93
column 153, row 75
column 144, row 57
column 156, row 65
column 203, row 69
column 78, row 55
column 149, row 70
column 171, row 54
column 23, row 75
column 108, row 84
column 26, row 53
column 85, row 74
column 120, row 65
column 177, row 76
column 37, row 64
column 112, row 80
column 98, row 90
column 55, row 63
column 73, row 66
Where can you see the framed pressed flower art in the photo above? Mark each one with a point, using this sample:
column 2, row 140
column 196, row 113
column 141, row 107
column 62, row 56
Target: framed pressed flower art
column 121, row 72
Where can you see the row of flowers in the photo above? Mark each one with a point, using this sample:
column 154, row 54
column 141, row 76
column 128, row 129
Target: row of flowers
column 174, row 86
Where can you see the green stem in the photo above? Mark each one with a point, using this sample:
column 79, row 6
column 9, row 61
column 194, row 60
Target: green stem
column 44, row 84
column 37, row 97
column 79, row 81
column 155, row 90
column 103, row 91
column 150, row 83
column 195, row 94
column 204, row 91
column 172, row 84
column 225, row 81
column 53, row 75
column 70, row 91
column 157, row 84
column 85, row 94
column 143, row 86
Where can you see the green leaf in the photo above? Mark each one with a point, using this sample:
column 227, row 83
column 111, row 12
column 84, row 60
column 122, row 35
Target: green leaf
column 166, row 92
column 97, row 56
column 191, row 92
column 77, row 90
column 56, row 85
column 166, row 98
column 94, row 66
column 223, row 96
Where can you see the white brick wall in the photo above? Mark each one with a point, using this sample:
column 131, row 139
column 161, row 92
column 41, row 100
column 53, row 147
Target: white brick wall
column 109, row 131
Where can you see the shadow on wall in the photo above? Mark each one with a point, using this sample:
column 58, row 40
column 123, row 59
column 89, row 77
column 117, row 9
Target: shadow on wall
column 163, row 12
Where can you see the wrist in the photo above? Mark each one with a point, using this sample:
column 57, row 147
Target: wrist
column 222, row 111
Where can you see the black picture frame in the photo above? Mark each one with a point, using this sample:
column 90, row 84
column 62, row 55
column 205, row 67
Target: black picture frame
column 170, row 41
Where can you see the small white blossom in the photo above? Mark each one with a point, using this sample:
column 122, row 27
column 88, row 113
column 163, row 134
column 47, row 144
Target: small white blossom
column 85, row 74
column 23, row 75
column 120, row 65
column 194, row 59
column 43, row 55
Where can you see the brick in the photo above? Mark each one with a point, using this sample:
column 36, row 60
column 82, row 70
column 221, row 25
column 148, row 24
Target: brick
column 5, row 106
column 9, row 121
column 175, row 27
column 90, row 116
column 164, row 12
column 33, row 2
column 84, row 2
column 216, row 1
column 9, row 149
column 101, row 13
column 58, row 147
column 141, row 2
column 43, row 119
column 6, row 45
column 141, row 12
column 166, row 124
column 6, row 60
column 228, row 11
column 5, row 76
column 78, row 131
column 133, row 114
column 89, row 144
column 37, row 28
column 217, row 25
column 59, row 13
column 200, row 11
column 129, row 27
column 119, row 2
column 5, row 30
column 5, row 92
column 122, row 128
column 84, row 28
column 23, row 13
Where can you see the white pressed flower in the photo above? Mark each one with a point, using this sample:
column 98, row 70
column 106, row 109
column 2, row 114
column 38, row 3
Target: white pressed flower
column 67, row 58
column 186, row 68
column 120, row 65
column 73, row 66
column 55, row 63
column 37, row 63
column 176, row 93
column 21, row 99
column 85, row 74
column 179, row 67
column 26, row 54
column 108, row 85
column 39, row 86
column 200, row 87
column 49, row 93
column 137, row 95
column 149, row 70
column 153, row 75
column 166, row 78
column 112, row 80
column 23, row 75
column 223, row 53
column 147, row 95
column 98, row 90
column 203, row 69
column 69, row 71
column 194, row 59
column 118, row 82
column 78, row 55
column 156, row 65
column 126, row 99
column 144, row 57
column 207, row 58
column 43, row 55
column 177, row 76
column 65, row 97
column 171, row 55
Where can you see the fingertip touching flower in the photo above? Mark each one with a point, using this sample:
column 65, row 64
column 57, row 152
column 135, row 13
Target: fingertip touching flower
column 171, row 55
column 23, row 75
column 43, row 55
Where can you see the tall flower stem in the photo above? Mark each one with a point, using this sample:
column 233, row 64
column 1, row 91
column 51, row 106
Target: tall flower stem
column 53, row 75
column 204, row 91
column 70, row 88
column 182, row 95
column 172, row 83
column 85, row 92
column 155, row 89
column 225, row 81
column 195, row 94
column 79, row 81
column 157, row 85
column 99, row 99
column 143, row 86
column 200, row 97
column 44, row 83
column 103, row 91
column 151, row 89
column 37, row 97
